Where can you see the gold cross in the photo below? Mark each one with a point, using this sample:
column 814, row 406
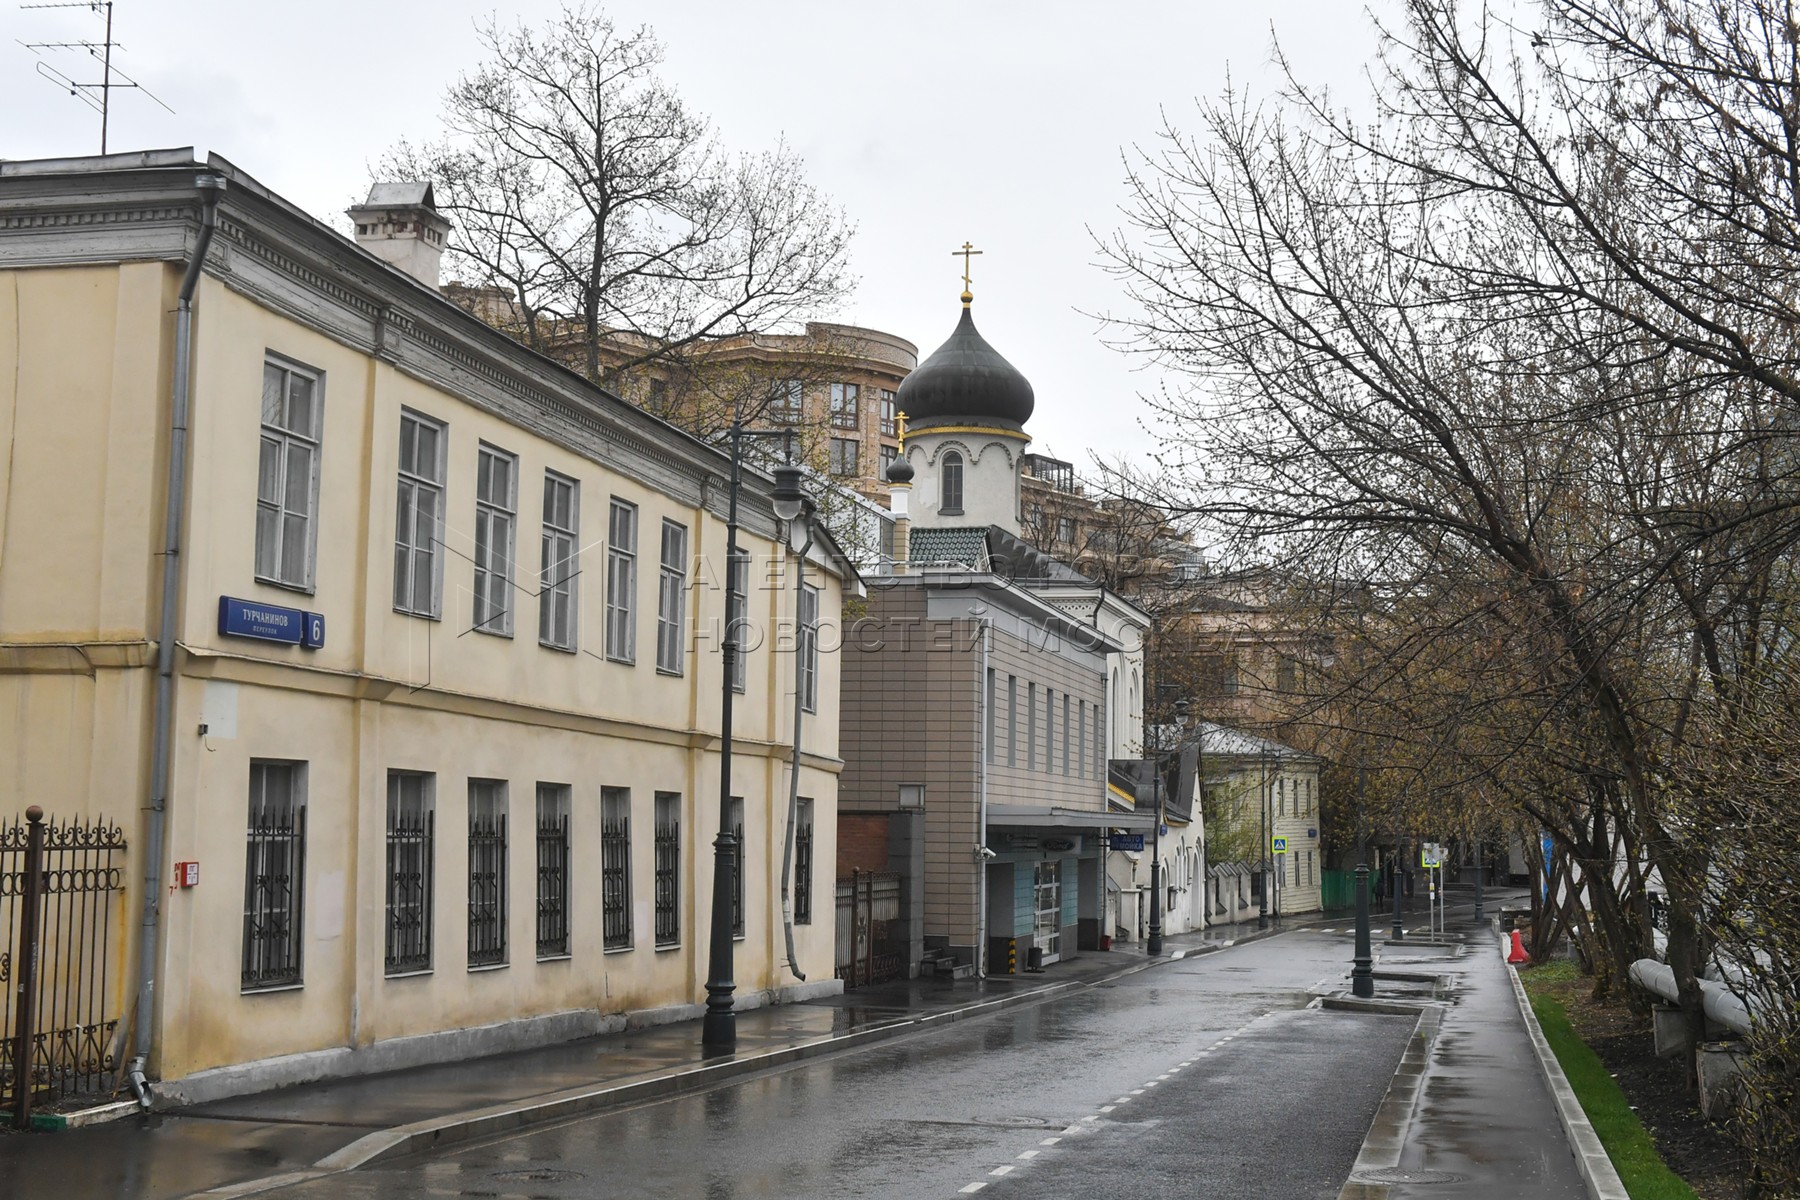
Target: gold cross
column 967, row 251
column 900, row 423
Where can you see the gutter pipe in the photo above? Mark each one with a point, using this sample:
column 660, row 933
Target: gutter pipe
column 162, row 735
column 787, row 844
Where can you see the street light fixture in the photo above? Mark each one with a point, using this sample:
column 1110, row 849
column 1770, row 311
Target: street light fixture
column 1153, row 944
column 718, row 1028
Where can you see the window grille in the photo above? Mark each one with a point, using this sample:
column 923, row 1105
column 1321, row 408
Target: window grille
column 274, row 876
column 668, row 868
column 418, row 514
column 809, row 648
column 287, row 475
column 950, row 476
column 552, row 870
column 736, row 824
column 411, row 823
column 560, row 562
column 621, row 583
column 803, row 863
column 615, row 867
column 844, row 404
column 487, row 872
column 671, row 600
column 737, row 614
column 496, row 520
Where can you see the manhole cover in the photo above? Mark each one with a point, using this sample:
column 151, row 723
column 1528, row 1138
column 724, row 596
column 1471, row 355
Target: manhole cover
column 1400, row 1175
column 539, row 1175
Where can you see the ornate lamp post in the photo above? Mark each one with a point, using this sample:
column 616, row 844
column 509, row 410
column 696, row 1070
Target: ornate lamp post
column 1153, row 944
column 718, row 1028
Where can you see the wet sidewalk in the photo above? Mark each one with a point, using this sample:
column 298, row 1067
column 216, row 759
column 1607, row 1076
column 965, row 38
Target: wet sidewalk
column 232, row 1147
column 1470, row 1115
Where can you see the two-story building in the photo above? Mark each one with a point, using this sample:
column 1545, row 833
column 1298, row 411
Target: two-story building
column 401, row 639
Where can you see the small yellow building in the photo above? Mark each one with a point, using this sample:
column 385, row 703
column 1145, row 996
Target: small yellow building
column 441, row 707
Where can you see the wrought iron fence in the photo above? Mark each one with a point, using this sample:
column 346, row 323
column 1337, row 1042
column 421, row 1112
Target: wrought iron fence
column 870, row 934
column 59, row 940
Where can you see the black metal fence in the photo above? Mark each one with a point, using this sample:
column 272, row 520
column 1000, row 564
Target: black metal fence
column 552, row 884
column 62, row 890
column 870, row 947
column 411, row 872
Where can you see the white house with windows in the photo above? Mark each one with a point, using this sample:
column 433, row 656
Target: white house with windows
column 270, row 598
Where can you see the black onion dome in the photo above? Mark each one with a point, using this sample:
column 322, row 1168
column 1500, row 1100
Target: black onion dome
column 899, row 471
column 966, row 380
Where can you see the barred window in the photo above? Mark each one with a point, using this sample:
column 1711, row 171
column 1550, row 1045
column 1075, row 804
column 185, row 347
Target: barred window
column 496, row 520
column 803, row 863
column 671, row 598
column 621, row 582
column 668, row 868
column 735, row 823
column 552, row 870
column 274, row 875
column 615, row 867
column 737, row 614
column 809, row 648
column 844, row 404
column 418, row 515
column 487, row 872
column 287, row 475
column 560, row 562
column 411, row 821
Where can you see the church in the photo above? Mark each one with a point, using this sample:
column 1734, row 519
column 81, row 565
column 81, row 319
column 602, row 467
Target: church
column 985, row 687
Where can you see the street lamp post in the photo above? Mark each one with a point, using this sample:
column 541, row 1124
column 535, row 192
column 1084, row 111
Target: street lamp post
column 1399, row 885
column 1362, row 971
column 718, row 1028
column 1153, row 944
column 1262, row 818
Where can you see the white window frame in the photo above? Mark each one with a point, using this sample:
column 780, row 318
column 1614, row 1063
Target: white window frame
column 286, row 439
column 846, row 405
column 621, row 581
column 737, row 615
column 409, row 555
column 671, row 599
column 559, row 564
column 493, row 556
column 807, row 620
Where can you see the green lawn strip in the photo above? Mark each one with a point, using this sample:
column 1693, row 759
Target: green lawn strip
column 1627, row 1142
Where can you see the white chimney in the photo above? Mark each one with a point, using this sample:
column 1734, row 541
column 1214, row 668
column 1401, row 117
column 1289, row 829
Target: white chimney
column 399, row 223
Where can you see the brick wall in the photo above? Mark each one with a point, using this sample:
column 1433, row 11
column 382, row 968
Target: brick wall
column 862, row 843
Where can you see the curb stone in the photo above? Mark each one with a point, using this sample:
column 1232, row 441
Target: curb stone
column 1381, row 1150
column 456, row 1128
column 1597, row 1171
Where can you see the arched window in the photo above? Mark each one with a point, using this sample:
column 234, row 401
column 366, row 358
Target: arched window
column 950, row 472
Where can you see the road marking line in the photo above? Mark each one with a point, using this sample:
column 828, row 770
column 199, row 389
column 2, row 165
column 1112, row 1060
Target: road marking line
column 1123, row 1100
column 1108, row 1107
column 1008, row 1169
column 1073, row 1129
column 1151, row 1084
column 1090, row 1118
column 1050, row 1141
column 1029, row 1153
column 1137, row 1091
column 1170, row 1073
column 1188, row 1063
column 972, row 1187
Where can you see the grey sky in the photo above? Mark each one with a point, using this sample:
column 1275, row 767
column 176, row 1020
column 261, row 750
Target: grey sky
column 930, row 122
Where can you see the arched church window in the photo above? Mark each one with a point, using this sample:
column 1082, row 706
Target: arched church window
column 950, row 473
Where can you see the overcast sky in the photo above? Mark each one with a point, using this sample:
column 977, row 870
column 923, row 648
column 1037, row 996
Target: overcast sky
column 930, row 122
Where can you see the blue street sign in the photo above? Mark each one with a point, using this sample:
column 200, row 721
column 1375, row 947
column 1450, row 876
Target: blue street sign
column 270, row 623
column 1127, row 841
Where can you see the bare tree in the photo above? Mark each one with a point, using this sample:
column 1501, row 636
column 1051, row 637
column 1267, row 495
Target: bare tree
column 619, row 232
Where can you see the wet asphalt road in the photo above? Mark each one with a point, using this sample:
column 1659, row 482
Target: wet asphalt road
column 1203, row 1077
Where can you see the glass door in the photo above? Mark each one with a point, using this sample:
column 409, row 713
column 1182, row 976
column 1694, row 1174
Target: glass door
column 1047, row 930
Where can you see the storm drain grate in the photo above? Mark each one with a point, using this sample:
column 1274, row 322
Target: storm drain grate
column 1401, row 1175
column 539, row 1175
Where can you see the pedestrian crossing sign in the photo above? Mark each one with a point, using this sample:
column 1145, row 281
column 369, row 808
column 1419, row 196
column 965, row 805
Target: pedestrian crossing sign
column 1278, row 845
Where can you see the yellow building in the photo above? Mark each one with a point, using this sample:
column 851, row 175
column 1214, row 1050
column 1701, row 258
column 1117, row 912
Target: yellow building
column 442, row 699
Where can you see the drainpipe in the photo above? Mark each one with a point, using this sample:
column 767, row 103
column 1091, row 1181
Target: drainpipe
column 161, row 738
column 787, row 845
column 981, row 837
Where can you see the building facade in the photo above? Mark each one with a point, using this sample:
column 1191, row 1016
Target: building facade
column 436, row 737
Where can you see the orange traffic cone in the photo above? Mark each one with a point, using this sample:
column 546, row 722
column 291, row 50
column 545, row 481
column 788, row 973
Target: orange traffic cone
column 1517, row 954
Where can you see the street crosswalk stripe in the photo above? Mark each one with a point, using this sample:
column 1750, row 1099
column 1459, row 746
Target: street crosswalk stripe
column 972, row 1187
column 1008, row 1169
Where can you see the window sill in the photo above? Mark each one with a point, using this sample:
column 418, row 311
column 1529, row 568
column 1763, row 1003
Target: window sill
column 270, row 989
column 423, row 616
column 661, row 947
column 305, row 589
column 499, row 633
column 543, row 645
column 476, row 969
column 556, row 958
column 950, row 512
column 672, row 674
column 629, row 949
column 623, row 662
column 420, row 973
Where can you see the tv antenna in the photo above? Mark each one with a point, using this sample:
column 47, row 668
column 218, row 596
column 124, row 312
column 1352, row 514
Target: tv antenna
column 97, row 96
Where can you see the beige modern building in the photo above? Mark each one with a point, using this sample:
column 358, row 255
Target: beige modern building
column 441, row 708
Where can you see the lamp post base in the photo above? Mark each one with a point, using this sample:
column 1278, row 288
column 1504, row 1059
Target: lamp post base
column 1362, row 972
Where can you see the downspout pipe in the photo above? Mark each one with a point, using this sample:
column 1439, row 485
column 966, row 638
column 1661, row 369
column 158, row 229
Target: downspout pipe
column 793, row 813
column 211, row 187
